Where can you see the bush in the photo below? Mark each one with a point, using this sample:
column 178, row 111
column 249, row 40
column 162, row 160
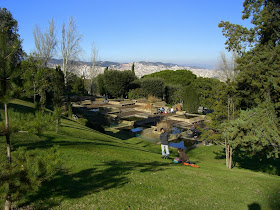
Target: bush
column 136, row 93
column 166, row 125
column 208, row 91
column 40, row 123
column 146, row 87
column 153, row 99
column 173, row 94
column 153, row 86
column 23, row 177
column 115, row 83
column 16, row 122
column 148, row 106
column 75, row 85
column 179, row 77
column 82, row 121
column 177, row 107
column 57, row 117
column 191, row 101
column 34, row 124
column 100, row 84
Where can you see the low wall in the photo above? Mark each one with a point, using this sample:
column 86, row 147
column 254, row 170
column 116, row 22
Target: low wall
column 190, row 121
column 114, row 102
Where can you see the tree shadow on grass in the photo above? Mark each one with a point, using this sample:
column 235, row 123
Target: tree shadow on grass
column 67, row 185
column 21, row 108
column 39, row 143
column 254, row 163
column 48, row 141
column 220, row 154
column 254, row 206
column 274, row 199
column 270, row 166
column 120, row 135
column 77, row 127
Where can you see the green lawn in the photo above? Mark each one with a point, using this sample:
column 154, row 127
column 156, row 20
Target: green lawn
column 105, row 172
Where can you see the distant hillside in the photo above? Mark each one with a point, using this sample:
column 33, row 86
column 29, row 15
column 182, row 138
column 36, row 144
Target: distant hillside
column 141, row 68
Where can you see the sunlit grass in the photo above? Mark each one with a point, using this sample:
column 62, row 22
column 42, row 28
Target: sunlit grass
column 101, row 171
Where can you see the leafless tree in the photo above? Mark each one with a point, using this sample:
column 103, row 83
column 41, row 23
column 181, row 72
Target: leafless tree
column 70, row 46
column 93, row 68
column 45, row 43
column 227, row 66
column 228, row 71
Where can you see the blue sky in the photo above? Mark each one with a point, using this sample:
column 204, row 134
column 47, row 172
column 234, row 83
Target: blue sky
column 177, row 31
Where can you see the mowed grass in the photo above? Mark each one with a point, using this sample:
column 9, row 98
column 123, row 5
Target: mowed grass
column 104, row 172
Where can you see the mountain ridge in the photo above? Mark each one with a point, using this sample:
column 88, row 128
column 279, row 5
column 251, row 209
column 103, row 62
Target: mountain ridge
column 81, row 68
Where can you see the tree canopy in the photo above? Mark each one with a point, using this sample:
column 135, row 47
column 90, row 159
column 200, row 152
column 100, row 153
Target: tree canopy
column 256, row 87
column 115, row 83
column 191, row 100
column 258, row 66
column 265, row 17
column 208, row 90
column 10, row 50
column 179, row 77
column 153, row 86
column 255, row 132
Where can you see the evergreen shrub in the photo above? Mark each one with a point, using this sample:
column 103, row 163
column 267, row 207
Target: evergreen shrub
column 24, row 176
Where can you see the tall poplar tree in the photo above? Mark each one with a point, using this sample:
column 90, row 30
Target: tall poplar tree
column 70, row 46
column 45, row 43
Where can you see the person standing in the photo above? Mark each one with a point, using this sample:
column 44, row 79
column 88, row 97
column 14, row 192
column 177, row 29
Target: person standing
column 164, row 143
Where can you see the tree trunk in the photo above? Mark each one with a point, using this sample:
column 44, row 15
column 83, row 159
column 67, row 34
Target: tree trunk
column 8, row 148
column 233, row 109
column 43, row 99
column 230, row 158
column 57, row 124
column 226, row 148
column 34, row 95
column 228, row 109
column 7, row 203
column 64, row 71
column 91, row 88
column 7, row 133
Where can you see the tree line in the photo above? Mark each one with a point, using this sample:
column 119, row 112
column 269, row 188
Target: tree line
column 28, row 77
column 249, row 131
column 180, row 86
column 246, row 105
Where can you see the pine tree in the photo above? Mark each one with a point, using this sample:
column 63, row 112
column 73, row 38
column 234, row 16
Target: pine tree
column 259, row 65
column 132, row 69
column 258, row 80
column 10, row 54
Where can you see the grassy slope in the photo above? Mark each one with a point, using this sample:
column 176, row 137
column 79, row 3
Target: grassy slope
column 110, row 173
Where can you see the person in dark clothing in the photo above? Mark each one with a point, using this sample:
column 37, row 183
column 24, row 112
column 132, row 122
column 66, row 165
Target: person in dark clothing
column 182, row 154
column 164, row 143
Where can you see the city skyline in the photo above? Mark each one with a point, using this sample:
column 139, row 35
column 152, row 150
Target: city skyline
column 181, row 32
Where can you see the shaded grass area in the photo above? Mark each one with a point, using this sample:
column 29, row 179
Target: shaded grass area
column 255, row 163
column 102, row 171
column 20, row 106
